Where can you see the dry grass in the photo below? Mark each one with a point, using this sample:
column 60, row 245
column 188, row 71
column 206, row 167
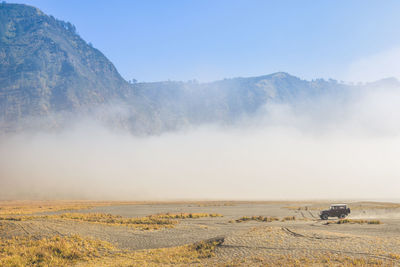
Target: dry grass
column 216, row 204
column 184, row 215
column 265, row 219
column 187, row 255
column 55, row 251
column 313, row 207
column 354, row 221
column 394, row 256
column 152, row 222
column 25, row 207
column 18, row 218
column 257, row 218
column 299, row 208
column 145, row 223
column 22, row 207
column 78, row 251
column 30, row 207
column 288, row 218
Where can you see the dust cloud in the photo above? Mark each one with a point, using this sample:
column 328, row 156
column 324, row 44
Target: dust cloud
column 311, row 150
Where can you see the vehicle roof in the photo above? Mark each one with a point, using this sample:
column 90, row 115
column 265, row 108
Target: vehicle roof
column 338, row 204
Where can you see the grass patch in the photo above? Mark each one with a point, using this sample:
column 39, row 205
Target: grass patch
column 266, row 219
column 78, row 251
column 187, row 255
column 354, row 221
column 216, row 204
column 24, row 207
column 55, row 251
column 145, row 223
column 30, row 207
column 257, row 218
column 152, row 222
column 184, row 215
column 307, row 208
column 288, row 218
column 394, row 256
column 19, row 218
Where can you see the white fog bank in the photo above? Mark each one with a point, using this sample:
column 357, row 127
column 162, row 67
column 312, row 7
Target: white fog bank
column 327, row 150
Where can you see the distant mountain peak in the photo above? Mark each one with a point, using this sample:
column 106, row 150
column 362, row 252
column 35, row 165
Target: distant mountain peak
column 281, row 75
column 386, row 82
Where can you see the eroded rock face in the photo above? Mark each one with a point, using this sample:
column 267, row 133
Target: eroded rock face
column 46, row 67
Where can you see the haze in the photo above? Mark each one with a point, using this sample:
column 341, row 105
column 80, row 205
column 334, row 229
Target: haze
column 343, row 149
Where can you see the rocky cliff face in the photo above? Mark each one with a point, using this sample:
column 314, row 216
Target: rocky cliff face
column 46, row 67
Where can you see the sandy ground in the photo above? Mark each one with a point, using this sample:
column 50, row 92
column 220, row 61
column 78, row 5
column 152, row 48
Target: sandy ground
column 307, row 236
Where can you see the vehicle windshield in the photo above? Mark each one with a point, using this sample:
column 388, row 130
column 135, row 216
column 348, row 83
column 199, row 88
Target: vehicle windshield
column 338, row 207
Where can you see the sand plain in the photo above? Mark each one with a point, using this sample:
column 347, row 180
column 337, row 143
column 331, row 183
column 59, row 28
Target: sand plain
column 296, row 236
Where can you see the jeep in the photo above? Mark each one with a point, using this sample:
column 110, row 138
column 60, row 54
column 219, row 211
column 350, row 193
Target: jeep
column 336, row 210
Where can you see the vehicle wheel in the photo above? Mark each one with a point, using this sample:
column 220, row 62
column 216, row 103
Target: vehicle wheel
column 324, row 217
column 342, row 216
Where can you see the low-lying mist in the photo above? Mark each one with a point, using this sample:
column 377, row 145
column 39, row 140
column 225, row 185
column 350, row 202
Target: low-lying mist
column 324, row 148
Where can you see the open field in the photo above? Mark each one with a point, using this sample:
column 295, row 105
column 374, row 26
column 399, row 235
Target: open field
column 182, row 233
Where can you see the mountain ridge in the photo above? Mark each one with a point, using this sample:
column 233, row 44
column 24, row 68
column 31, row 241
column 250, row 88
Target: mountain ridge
column 49, row 74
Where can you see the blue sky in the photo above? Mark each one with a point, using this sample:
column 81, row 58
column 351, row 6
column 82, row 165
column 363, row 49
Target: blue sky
column 207, row 39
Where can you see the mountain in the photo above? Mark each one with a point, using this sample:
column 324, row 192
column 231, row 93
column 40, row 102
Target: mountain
column 49, row 76
column 46, row 67
column 188, row 103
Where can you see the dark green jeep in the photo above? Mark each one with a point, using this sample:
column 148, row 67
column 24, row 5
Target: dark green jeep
column 336, row 210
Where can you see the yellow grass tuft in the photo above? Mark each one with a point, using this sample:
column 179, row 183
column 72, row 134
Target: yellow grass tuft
column 257, row 218
column 354, row 221
column 288, row 218
column 394, row 256
column 145, row 223
column 55, row 251
column 184, row 215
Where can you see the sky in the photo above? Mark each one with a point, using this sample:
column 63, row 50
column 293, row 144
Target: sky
column 206, row 40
